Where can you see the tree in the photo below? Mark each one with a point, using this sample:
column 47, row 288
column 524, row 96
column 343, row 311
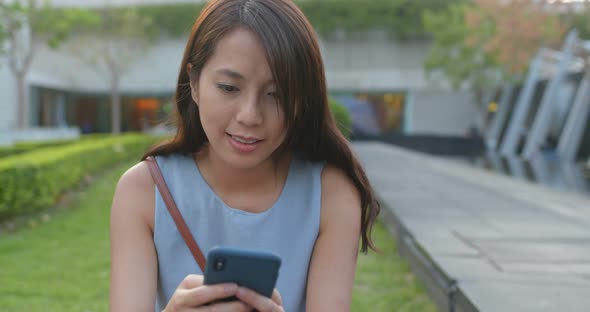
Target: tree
column 110, row 47
column 27, row 26
column 462, row 64
column 486, row 43
column 575, row 15
column 521, row 27
column 3, row 34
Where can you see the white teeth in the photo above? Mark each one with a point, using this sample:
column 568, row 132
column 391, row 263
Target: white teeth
column 242, row 140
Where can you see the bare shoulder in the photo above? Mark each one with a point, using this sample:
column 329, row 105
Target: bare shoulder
column 134, row 195
column 334, row 178
column 340, row 197
column 137, row 176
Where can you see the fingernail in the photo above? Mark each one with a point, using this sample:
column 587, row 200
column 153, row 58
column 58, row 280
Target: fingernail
column 241, row 291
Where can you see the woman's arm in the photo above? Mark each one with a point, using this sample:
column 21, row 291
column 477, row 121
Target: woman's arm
column 333, row 263
column 133, row 255
column 134, row 265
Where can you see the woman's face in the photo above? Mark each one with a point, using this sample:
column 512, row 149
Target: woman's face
column 235, row 95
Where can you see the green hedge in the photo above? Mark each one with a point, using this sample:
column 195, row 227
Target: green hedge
column 342, row 116
column 23, row 147
column 12, row 150
column 32, row 181
column 29, row 146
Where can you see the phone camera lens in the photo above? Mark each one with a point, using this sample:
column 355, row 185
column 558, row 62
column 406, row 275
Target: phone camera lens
column 219, row 264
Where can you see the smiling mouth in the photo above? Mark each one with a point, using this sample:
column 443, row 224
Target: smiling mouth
column 245, row 140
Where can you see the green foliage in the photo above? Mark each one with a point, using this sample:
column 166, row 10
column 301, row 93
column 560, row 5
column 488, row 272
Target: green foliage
column 123, row 22
column 6, row 24
column 12, row 150
column 32, row 181
column 115, row 34
column 383, row 281
column 342, row 117
column 48, row 24
column 451, row 54
column 581, row 23
column 400, row 18
column 24, row 147
column 55, row 25
column 486, row 43
column 174, row 20
column 3, row 36
column 28, row 146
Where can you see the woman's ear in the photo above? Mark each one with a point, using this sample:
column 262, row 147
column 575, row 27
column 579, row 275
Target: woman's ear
column 193, row 82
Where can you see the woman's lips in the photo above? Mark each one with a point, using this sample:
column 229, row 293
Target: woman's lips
column 243, row 144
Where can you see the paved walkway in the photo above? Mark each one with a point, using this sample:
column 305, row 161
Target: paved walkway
column 481, row 241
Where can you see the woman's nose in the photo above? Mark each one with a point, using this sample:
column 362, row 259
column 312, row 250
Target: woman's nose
column 249, row 113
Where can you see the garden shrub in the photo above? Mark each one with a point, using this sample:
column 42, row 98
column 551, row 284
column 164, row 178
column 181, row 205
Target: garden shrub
column 342, row 116
column 33, row 181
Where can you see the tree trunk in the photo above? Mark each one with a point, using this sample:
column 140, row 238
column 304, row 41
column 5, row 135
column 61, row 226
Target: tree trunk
column 19, row 70
column 115, row 105
column 22, row 103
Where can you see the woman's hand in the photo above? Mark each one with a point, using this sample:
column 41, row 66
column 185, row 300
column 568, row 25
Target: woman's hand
column 261, row 303
column 192, row 296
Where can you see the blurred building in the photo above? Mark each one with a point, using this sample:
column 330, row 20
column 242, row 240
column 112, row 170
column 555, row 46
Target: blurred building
column 381, row 81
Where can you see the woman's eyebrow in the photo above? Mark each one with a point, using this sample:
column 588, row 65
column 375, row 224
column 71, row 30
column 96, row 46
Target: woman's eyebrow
column 234, row 74
column 230, row 73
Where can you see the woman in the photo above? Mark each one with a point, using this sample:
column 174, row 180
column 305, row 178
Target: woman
column 257, row 163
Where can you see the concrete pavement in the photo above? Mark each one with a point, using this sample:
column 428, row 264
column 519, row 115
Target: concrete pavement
column 481, row 241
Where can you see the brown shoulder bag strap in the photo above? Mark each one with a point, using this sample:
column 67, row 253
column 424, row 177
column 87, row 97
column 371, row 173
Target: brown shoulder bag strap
column 180, row 224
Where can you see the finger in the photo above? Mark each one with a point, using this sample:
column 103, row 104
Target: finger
column 209, row 293
column 203, row 294
column 234, row 306
column 276, row 297
column 257, row 301
column 191, row 281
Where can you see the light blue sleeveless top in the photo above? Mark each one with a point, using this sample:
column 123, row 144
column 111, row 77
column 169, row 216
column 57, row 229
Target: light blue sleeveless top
column 289, row 228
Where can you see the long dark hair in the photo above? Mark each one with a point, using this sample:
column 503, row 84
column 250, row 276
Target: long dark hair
column 294, row 57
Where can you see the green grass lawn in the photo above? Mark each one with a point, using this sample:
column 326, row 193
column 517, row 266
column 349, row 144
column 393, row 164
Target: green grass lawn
column 383, row 280
column 61, row 263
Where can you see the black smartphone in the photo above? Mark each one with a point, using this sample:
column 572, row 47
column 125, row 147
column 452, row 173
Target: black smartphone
column 255, row 270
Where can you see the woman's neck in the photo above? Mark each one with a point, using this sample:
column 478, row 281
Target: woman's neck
column 225, row 179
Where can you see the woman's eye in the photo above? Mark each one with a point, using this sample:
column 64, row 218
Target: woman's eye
column 273, row 94
column 227, row 88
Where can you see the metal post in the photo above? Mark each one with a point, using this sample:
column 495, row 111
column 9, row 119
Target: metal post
column 538, row 132
column 573, row 176
column 516, row 127
column 541, row 170
column 573, row 131
column 499, row 119
column 495, row 161
column 408, row 112
column 517, row 169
